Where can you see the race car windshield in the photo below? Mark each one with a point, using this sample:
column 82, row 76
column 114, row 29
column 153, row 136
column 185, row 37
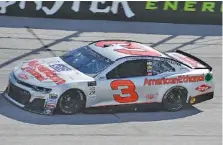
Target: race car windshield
column 86, row 60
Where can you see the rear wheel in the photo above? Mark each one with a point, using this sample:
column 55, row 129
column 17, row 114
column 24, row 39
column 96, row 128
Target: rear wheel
column 175, row 98
column 71, row 102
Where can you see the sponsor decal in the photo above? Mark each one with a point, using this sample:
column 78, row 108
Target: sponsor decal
column 49, row 108
column 32, row 68
column 121, row 10
column 203, row 88
column 149, row 68
column 151, row 96
column 137, row 52
column 127, row 88
column 208, row 77
column 50, row 104
column 192, row 62
column 130, row 48
column 170, row 61
column 53, row 96
column 175, row 80
column 92, row 91
column 149, row 73
column 149, row 63
column 192, row 100
column 34, row 73
column 23, row 76
column 187, row 6
column 51, row 100
column 140, row 57
column 93, row 83
column 60, row 67
column 94, row 7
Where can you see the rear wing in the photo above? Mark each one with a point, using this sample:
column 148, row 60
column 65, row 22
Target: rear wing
column 207, row 66
column 189, row 59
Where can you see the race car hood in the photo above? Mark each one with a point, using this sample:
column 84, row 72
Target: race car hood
column 48, row 72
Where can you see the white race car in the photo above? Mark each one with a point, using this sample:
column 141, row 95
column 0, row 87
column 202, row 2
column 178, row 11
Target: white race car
column 110, row 73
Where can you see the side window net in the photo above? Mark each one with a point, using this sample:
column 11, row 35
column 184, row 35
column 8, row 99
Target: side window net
column 159, row 67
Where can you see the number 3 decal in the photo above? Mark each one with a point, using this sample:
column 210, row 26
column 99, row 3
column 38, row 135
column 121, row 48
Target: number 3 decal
column 131, row 48
column 132, row 97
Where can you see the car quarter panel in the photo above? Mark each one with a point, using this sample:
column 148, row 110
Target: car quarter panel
column 121, row 91
column 194, row 81
column 106, row 90
column 149, row 88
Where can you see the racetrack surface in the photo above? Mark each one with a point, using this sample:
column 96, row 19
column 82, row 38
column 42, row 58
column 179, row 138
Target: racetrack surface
column 27, row 38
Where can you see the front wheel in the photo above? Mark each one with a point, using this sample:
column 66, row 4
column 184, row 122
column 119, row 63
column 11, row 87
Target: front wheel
column 71, row 102
column 175, row 98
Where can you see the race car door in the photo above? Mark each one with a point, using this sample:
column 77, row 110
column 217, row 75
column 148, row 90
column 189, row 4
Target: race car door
column 124, row 84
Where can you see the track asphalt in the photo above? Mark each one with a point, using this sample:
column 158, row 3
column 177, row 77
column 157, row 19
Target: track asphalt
column 27, row 38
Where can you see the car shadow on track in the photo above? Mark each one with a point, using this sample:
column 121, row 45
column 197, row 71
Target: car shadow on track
column 11, row 111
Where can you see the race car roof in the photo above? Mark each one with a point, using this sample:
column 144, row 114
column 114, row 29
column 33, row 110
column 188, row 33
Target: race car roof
column 116, row 49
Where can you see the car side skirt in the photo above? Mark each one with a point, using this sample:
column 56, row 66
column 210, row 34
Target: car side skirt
column 202, row 98
column 138, row 107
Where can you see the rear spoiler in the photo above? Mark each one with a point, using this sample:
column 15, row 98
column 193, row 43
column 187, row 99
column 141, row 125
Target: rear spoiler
column 196, row 59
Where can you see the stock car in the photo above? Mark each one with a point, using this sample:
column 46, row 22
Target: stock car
column 110, row 73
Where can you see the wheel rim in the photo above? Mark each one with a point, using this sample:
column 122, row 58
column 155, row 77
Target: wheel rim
column 71, row 103
column 176, row 98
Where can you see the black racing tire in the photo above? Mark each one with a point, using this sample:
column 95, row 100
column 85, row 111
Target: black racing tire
column 71, row 102
column 175, row 98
